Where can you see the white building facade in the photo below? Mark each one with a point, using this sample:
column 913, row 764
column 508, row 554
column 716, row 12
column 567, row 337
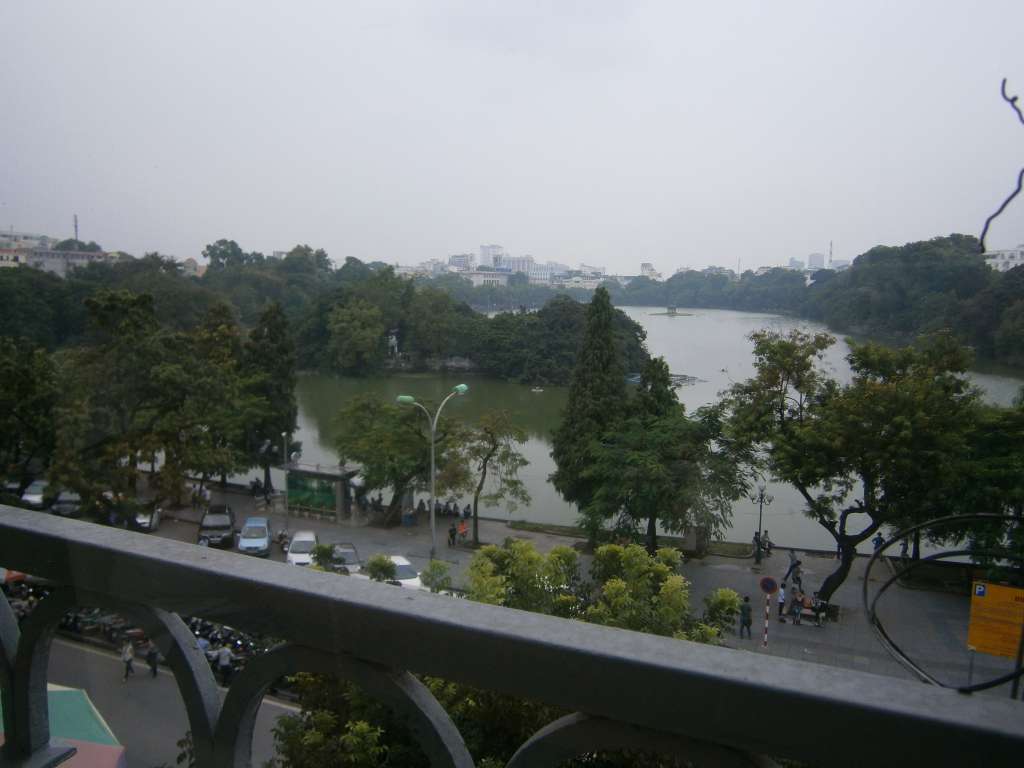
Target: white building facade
column 1003, row 261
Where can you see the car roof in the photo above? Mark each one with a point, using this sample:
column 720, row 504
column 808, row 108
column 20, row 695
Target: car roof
column 257, row 521
column 399, row 560
column 222, row 509
column 304, row 535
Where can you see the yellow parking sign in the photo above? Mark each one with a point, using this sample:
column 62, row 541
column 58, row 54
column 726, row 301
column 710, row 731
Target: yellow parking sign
column 997, row 619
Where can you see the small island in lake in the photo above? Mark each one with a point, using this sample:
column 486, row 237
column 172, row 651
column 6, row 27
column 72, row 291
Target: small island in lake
column 673, row 312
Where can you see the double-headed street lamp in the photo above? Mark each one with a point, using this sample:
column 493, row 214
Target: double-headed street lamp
column 761, row 499
column 459, row 389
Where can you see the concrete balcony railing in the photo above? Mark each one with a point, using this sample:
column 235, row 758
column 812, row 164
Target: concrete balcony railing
column 711, row 705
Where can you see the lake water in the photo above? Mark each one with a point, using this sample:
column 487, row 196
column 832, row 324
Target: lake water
column 711, row 345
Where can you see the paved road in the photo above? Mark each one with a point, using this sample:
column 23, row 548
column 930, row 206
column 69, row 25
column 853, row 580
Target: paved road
column 146, row 714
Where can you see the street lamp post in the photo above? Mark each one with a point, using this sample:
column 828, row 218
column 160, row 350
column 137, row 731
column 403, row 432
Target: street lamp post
column 459, row 389
column 284, row 467
column 761, row 499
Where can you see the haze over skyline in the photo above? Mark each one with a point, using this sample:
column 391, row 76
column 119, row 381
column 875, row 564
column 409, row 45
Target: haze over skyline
column 609, row 133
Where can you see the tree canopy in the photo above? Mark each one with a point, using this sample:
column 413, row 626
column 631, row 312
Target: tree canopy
column 885, row 449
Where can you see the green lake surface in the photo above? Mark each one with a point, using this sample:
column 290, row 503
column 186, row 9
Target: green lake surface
column 711, row 345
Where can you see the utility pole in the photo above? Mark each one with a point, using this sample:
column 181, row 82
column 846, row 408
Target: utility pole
column 76, row 231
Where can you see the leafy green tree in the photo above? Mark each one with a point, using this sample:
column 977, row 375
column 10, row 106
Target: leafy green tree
column 224, row 254
column 303, row 258
column 435, row 576
column 630, row 589
column 322, row 555
column 721, row 607
column 77, row 245
column 380, row 568
column 597, row 396
column 491, row 447
column 357, row 337
column 318, row 740
column 27, row 401
column 119, row 389
column 658, row 466
column 393, row 446
column 269, row 368
column 885, row 449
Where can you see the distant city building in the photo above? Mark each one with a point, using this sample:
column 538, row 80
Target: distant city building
column 12, row 257
column 539, row 274
column 558, row 268
column 680, row 270
column 816, row 261
column 191, row 268
column 647, row 270
column 586, row 268
column 587, row 282
column 1002, row 261
column 492, row 279
column 488, row 254
column 12, row 240
column 62, row 262
column 796, row 264
column 462, row 261
column 763, row 271
column 402, row 270
column 840, row 264
column 513, row 264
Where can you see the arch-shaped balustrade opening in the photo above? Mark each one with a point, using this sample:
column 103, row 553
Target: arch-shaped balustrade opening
column 338, row 704
column 73, row 644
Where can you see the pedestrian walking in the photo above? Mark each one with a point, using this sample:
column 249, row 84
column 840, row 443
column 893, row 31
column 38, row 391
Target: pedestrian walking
column 746, row 616
column 127, row 656
column 782, row 601
column 793, row 563
column 224, row 660
column 757, row 542
column 152, row 658
column 767, row 544
column 451, row 535
column 798, row 576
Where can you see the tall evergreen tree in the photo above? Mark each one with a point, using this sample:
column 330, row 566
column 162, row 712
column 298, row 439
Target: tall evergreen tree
column 270, row 365
column 660, row 466
column 597, row 397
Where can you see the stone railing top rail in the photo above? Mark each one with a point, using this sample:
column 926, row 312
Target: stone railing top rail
column 765, row 705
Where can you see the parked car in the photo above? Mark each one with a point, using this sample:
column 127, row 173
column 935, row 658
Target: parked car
column 405, row 574
column 67, row 504
column 300, row 548
column 345, row 558
column 217, row 528
column 35, row 496
column 146, row 518
column 255, row 537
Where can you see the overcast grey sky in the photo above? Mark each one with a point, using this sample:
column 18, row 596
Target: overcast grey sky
column 606, row 132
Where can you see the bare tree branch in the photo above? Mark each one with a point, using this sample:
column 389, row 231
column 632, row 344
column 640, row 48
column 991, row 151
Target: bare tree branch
column 1012, row 101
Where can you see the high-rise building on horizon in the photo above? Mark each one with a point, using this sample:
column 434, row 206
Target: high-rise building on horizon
column 647, row 270
column 463, row 261
column 488, row 253
column 816, row 261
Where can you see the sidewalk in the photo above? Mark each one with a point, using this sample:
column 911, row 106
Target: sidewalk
column 930, row 626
